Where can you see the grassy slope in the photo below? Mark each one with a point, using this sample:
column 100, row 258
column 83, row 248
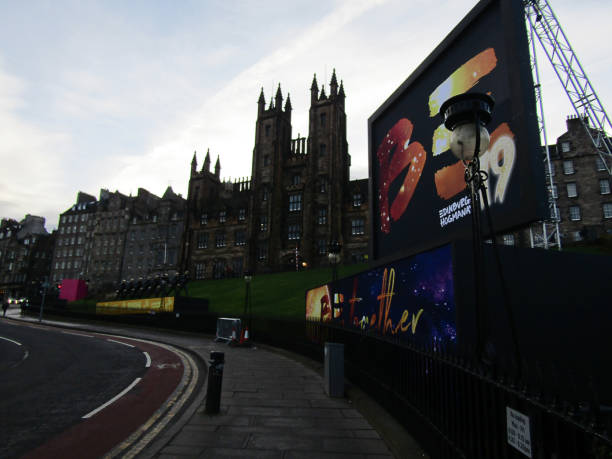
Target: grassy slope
column 279, row 295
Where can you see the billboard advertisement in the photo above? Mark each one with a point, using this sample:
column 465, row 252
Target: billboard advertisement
column 411, row 300
column 417, row 187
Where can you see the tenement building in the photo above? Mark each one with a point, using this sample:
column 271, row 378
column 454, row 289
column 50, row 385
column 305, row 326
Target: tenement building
column 117, row 237
column 580, row 192
column 298, row 200
column 25, row 256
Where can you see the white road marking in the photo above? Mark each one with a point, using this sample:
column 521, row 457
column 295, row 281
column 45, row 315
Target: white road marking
column 120, row 342
column 12, row 341
column 114, row 399
column 148, row 364
column 77, row 334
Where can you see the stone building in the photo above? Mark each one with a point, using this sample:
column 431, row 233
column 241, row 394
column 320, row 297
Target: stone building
column 116, row 237
column 74, row 240
column 580, row 191
column 298, row 200
column 26, row 250
column 154, row 235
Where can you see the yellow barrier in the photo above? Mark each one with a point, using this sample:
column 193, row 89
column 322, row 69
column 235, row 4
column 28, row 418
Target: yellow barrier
column 138, row 306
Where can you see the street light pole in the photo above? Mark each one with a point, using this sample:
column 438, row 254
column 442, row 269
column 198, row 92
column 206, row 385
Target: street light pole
column 45, row 286
column 467, row 115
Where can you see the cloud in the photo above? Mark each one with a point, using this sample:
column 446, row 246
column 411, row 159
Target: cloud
column 32, row 179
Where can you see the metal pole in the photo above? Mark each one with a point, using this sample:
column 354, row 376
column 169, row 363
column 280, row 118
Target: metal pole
column 42, row 303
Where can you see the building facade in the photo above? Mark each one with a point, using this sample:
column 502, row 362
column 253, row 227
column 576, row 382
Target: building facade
column 580, row 196
column 298, row 199
column 118, row 237
column 26, row 250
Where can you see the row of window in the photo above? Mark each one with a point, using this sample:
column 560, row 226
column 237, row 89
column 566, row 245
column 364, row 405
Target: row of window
column 569, row 169
column 222, row 217
column 72, row 229
column 575, row 212
column 220, row 240
column 70, row 241
column 572, row 189
column 73, row 218
column 76, row 264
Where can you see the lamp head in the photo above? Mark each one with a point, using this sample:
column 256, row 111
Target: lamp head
column 460, row 113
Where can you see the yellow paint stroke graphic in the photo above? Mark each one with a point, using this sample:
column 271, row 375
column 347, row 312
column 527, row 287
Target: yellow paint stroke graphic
column 463, row 79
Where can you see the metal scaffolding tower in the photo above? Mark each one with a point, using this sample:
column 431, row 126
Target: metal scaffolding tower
column 544, row 25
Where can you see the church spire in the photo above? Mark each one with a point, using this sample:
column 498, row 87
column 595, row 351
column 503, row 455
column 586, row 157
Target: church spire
column 278, row 102
column 206, row 166
column 288, row 104
column 314, row 90
column 333, row 85
column 194, row 163
column 218, row 167
column 323, row 96
column 261, row 103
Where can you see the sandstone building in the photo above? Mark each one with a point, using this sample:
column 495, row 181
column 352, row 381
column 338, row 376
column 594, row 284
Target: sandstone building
column 298, row 199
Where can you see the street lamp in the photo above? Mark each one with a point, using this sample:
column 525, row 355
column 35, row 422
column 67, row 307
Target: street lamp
column 334, row 256
column 467, row 115
column 248, row 306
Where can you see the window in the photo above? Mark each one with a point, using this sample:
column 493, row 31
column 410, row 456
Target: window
column 604, row 186
column 554, row 192
column 574, row 212
column 240, row 237
column 265, row 194
column 321, row 246
column 222, row 216
column 565, row 147
column 601, row 166
column 266, row 160
column 204, row 219
column 356, row 199
column 572, row 192
column 202, row 240
column 323, row 119
column 576, row 236
column 200, row 270
column 241, row 214
column 220, row 240
column 508, row 239
column 322, row 150
column 267, row 128
column 296, row 180
column 294, row 232
column 357, row 226
column 323, row 185
column 262, row 251
column 322, row 216
column 607, row 210
column 295, row 202
column 263, row 223
column 26, row 241
column 568, row 167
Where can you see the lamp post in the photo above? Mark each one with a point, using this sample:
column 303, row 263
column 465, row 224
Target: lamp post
column 248, row 306
column 334, row 256
column 467, row 115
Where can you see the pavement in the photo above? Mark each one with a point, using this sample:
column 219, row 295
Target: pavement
column 273, row 405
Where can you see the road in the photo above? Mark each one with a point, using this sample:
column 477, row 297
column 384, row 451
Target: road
column 70, row 393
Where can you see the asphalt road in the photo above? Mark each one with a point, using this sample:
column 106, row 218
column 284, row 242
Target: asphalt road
column 52, row 379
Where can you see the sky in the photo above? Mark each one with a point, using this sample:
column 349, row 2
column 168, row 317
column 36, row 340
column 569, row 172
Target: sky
column 119, row 95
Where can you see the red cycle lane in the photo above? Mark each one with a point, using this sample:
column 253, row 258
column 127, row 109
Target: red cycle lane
column 102, row 431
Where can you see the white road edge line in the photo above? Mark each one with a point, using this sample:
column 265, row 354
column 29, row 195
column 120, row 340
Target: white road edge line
column 12, row 341
column 148, row 364
column 119, row 342
column 114, row 399
column 77, row 334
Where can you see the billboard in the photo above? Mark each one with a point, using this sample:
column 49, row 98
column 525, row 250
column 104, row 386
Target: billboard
column 417, row 187
column 412, row 299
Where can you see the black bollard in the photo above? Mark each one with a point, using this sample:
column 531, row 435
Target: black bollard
column 215, row 379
